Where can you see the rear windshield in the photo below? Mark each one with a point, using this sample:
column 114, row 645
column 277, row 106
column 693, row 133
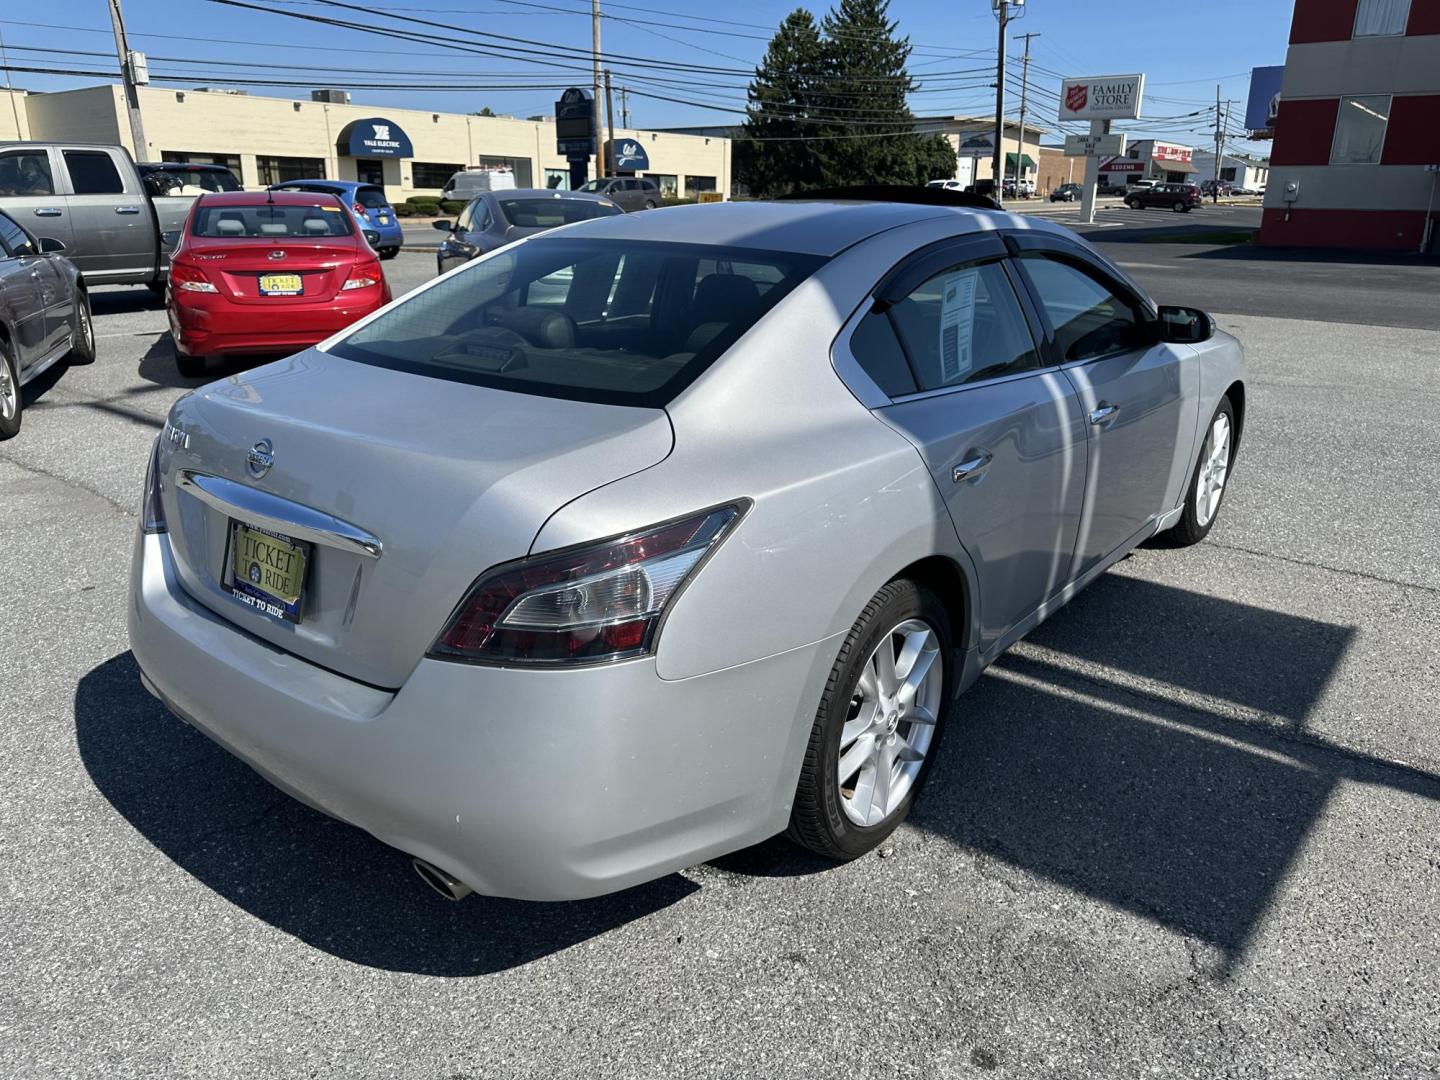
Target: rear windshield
column 546, row 213
column 183, row 181
column 625, row 323
column 372, row 198
column 269, row 222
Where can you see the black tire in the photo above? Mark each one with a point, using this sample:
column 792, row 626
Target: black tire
column 1134, row 204
column 649, row 204
column 190, row 367
column 83, row 350
column 9, row 381
column 389, row 252
column 1189, row 530
column 817, row 819
column 1181, row 207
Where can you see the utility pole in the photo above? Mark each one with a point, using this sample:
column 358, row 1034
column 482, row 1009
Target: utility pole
column 997, row 165
column 1024, row 92
column 610, row 112
column 1219, row 148
column 624, row 107
column 595, row 55
column 127, row 74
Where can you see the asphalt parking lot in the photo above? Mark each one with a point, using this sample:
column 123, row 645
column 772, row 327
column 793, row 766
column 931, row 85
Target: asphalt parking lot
column 1190, row 827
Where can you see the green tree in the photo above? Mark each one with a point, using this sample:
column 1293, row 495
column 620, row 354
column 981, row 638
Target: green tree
column 776, row 153
column 865, row 67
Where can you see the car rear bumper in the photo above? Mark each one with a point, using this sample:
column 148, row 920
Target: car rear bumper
column 213, row 324
column 544, row 785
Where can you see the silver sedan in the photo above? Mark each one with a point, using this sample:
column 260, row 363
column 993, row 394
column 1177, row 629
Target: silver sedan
column 641, row 541
column 44, row 315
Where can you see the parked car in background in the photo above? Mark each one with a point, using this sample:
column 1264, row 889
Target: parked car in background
column 1066, row 193
column 44, row 315
column 92, row 199
column 271, row 272
column 984, row 187
column 947, row 185
column 627, row 192
column 369, row 205
column 1019, row 189
column 639, row 542
column 179, row 178
column 1216, row 188
column 1181, row 198
column 495, row 218
column 467, row 183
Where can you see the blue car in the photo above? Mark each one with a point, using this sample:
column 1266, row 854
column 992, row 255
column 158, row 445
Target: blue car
column 372, row 210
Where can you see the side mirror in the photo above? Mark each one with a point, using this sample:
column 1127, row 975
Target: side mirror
column 444, row 226
column 50, row 245
column 1185, row 325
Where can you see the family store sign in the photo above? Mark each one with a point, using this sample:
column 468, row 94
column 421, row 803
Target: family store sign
column 1102, row 97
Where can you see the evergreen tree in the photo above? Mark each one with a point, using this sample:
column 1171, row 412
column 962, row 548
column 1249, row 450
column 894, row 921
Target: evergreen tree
column 776, row 154
column 865, row 66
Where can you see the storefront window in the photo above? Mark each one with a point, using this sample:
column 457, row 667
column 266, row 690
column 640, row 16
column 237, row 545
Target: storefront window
column 522, row 167
column 432, row 174
column 694, row 185
column 667, row 182
column 280, row 170
column 1360, row 130
column 370, row 171
column 557, row 179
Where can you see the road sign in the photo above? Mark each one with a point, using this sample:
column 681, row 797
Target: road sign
column 1095, row 145
column 1102, row 97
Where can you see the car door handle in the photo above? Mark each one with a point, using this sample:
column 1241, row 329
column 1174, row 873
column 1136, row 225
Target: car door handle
column 1103, row 413
column 127, row 209
column 47, row 211
column 972, row 467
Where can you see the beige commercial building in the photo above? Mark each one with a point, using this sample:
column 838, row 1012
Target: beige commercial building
column 267, row 140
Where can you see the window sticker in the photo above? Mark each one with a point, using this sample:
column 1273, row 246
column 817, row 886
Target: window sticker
column 957, row 324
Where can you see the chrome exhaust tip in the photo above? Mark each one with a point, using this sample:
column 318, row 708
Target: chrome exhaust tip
column 447, row 886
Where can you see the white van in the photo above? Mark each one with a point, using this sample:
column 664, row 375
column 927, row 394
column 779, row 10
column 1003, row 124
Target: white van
column 467, row 183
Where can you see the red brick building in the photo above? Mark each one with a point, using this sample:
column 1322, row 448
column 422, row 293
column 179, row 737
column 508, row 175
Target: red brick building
column 1358, row 123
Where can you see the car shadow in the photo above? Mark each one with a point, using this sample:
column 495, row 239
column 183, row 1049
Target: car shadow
column 157, row 366
column 124, row 300
column 332, row 886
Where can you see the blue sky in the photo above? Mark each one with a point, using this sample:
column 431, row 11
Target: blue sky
column 1184, row 48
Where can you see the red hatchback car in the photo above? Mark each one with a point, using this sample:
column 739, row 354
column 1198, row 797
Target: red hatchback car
column 267, row 273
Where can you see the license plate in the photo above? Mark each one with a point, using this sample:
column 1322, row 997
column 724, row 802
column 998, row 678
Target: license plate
column 281, row 285
column 267, row 570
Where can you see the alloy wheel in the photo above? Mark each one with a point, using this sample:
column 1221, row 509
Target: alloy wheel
column 891, row 722
column 1214, row 467
column 9, row 392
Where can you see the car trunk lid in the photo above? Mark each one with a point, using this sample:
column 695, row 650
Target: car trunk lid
column 446, row 479
column 262, row 273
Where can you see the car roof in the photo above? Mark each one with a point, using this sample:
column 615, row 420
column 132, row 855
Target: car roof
column 338, row 185
column 260, row 198
column 505, row 194
column 802, row 226
column 183, row 166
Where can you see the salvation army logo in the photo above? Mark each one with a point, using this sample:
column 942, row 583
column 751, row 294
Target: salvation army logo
column 1076, row 96
column 382, row 131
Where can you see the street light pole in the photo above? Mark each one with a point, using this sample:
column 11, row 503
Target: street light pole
column 1024, row 92
column 997, row 166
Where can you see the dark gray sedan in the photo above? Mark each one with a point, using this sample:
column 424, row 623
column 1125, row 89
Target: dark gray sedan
column 494, row 218
column 44, row 315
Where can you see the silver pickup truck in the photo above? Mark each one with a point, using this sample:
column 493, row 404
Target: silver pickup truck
column 91, row 198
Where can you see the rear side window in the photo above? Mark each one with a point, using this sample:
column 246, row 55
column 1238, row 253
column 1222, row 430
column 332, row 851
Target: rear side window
column 1089, row 319
column 269, row 222
column 92, row 172
column 372, row 198
column 26, row 172
column 962, row 325
column 616, row 322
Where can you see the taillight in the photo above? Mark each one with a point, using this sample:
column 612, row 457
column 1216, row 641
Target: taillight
column 152, row 510
column 363, row 276
column 584, row 605
column 189, row 279
column 359, row 209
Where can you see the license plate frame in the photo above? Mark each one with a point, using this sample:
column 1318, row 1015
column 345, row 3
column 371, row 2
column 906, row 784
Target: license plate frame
column 281, row 284
column 248, row 583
